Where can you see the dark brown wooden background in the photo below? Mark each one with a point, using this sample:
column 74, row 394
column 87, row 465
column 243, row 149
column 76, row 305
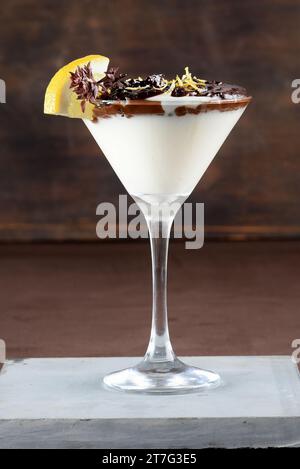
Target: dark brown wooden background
column 51, row 175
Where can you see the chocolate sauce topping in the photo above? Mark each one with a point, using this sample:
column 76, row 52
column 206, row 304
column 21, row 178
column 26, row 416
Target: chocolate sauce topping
column 143, row 107
column 130, row 109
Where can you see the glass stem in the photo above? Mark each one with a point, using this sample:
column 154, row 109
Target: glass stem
column 159, row 348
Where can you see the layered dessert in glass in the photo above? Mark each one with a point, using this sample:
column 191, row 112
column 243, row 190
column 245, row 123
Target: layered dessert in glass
column 159, row 135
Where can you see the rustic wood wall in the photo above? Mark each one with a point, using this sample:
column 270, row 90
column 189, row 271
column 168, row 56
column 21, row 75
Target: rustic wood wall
column 51, row 175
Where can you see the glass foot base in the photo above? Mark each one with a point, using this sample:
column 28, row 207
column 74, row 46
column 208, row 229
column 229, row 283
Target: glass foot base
column 162, row 378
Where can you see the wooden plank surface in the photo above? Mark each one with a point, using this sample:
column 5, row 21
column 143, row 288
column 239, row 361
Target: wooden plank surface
column 94, row 300
column 51, row 176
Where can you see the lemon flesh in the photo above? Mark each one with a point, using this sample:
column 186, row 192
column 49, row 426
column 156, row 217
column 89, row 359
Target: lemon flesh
column 60, row 99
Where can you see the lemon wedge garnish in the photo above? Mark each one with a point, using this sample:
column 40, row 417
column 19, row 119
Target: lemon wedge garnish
column 60, row 99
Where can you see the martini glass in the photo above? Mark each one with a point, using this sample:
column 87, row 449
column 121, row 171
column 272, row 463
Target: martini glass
column 160, row 150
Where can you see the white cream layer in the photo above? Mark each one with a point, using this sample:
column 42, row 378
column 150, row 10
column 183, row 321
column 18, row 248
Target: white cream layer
column 154, row 154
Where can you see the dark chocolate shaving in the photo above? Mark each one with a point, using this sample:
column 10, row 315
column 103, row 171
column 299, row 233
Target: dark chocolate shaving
column 223, row 90
column 115, row 86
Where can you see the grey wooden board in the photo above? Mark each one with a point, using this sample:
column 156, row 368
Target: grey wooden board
column 61, row 403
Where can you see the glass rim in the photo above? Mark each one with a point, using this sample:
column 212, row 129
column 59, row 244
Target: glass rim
column 182, row 100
